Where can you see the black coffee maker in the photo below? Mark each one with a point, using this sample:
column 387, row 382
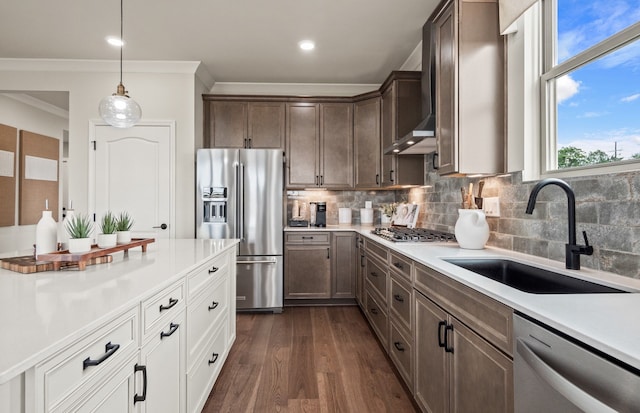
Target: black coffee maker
column 321, row 214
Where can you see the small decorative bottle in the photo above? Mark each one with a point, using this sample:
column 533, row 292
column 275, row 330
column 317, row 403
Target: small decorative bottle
column 46, row 233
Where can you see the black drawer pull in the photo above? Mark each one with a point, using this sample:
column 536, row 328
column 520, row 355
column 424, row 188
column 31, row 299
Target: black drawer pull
column 398, row 265
column 213, row 269
column 374, row 274
column 374, row 311
column 398, row 346
column 215, row 358
column 441, row 342
column 172, row 302
column 447, row 348
column 307, row 237
column 172, row 329
column 213, row 305
column 109, row 350
column 398, row 298
column 142, row 398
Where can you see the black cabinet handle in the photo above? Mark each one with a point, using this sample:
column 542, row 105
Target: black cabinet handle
column 214, row 359
column 245, row 143
column 398, row 298
column 316, row 180
column 398, row 265
column 447, row 348
column 374, row 274
column 377, row 179
column 303, row 237
column 398, row 346
column 142, row 398
column 362, row 260
column 321, row 179
column 374, row 311
column 172, row 329
column 250, row 144
column 213, row 269
column 328, row 256
column 109, row 350
column 433, row 161
column 172, row 302
column 391, row 175
column 213, row 306
column 441, row 324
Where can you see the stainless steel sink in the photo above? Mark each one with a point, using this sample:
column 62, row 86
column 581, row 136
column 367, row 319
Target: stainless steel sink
column 528, row 278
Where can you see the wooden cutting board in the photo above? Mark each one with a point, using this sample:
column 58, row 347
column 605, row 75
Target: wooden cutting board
column 28, row 264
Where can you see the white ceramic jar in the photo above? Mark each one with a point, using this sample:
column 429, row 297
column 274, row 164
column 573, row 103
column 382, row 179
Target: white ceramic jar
column 472, row 229
column 46, row 234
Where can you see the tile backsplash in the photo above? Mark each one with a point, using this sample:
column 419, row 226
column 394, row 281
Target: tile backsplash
column 607, row 208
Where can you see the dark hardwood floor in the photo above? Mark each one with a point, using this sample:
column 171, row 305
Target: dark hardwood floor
column 307, row 359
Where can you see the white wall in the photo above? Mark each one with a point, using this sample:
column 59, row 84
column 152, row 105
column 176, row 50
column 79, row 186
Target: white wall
column 164, row 90
column 26, row 117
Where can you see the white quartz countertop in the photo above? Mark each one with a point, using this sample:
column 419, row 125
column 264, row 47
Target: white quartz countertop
column 607, row 322
column 43, row 312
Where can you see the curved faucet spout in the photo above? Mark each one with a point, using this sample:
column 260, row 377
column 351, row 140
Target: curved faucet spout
column 571, row 203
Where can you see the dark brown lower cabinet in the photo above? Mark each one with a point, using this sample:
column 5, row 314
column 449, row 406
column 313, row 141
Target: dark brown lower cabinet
column 456, row 369
column 343, row 245
column 307, row 271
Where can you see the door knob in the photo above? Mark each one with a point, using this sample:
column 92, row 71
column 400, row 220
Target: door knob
column 163, row 226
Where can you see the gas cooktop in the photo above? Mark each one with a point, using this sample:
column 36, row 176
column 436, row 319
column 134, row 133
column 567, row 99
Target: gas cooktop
column 403, row 234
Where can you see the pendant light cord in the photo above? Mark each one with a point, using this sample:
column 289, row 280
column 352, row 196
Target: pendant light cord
column 121, row 36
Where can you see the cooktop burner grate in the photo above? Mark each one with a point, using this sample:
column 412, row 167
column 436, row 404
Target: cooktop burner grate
column 403, row 234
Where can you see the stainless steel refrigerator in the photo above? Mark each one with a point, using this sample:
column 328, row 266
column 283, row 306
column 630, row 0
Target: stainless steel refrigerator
column 239, row 194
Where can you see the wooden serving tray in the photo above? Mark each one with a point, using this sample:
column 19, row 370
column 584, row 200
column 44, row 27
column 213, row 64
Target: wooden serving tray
column 28, row 264
column 81, row 259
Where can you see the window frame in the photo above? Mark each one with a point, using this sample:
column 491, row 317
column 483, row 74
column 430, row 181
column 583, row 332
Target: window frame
column 549, row 72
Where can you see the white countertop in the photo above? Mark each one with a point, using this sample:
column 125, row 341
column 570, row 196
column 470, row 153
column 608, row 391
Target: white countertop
column 43, row 312
column 607, row 322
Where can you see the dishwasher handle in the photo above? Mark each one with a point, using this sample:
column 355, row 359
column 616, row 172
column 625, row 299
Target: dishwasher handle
column 561, row 384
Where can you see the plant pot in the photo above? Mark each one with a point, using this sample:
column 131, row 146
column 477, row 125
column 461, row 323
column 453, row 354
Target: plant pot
column 123, row 237
column 107, row 240
column 385, row 220
column 79, row 245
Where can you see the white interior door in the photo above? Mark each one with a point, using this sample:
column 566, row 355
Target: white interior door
column 133, row 173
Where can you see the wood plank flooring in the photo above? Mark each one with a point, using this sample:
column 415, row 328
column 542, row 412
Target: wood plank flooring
column 307, row 359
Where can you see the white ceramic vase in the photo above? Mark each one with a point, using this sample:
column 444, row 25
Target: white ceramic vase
column 107, row 240
column 79, row 245
column 46, row 234
column 123, row 237
column 472, row 229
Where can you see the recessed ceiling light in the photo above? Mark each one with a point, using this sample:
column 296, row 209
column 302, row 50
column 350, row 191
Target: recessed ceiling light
column 307, row 45
column 115, row 41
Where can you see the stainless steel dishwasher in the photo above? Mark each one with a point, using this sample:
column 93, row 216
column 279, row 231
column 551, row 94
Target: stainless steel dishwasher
column 553, row 373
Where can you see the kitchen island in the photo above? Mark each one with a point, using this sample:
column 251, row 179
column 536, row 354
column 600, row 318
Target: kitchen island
column 114, row 313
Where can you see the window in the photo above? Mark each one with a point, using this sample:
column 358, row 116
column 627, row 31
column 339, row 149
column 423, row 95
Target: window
column 591, row 85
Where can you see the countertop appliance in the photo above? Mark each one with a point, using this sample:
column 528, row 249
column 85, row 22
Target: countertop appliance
column 555, row 373
column 321, row 214
column 239, row 194
column 404, row 234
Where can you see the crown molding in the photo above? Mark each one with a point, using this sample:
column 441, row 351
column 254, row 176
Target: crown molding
column 108, row 66
column 38, row 104
column 297, row 89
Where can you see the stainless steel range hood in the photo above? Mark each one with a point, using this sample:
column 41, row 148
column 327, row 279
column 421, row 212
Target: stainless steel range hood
column 422, row 139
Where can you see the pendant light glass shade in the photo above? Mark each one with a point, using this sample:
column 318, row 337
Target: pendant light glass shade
column 119, row 109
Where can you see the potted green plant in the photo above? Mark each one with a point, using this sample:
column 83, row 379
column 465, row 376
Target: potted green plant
column 79, row 227
column 123, row 228
column 387, row 211
column 108, row 226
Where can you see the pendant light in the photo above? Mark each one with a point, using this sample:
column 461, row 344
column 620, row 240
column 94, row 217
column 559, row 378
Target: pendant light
column 119, row 109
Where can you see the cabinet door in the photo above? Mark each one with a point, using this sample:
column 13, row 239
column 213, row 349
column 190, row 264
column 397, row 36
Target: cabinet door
column 307, row 271
column 266, row 125
column 302, row 145
column 225, row 124
column 444, row 29
column 431, row 387
column 366, row 135
column 344, row 264
column 388, row 137
column 336, row 149
column 164, row 358
column 481, row 375
column 360, row 271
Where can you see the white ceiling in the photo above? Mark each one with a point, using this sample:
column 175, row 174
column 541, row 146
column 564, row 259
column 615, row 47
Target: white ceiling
column 357, row 41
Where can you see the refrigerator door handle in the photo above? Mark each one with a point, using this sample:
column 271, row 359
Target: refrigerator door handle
column 271, row 261
column 241, row 202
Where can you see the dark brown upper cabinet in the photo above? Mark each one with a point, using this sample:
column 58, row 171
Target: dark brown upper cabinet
column 366, row 137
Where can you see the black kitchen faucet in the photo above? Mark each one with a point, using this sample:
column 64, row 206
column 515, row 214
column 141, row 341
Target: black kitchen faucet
column 572, row 250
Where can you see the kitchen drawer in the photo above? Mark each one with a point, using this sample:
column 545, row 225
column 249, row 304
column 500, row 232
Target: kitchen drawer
column 373, row 248
column 156, row 310
column 308, row 237
column 202, row 376
column 400, row 351
column 204, row 314
column 401, row 265
column 216, row 268
column 486, row 316
column 378, row 318
column 69, row 373
column 376, row 276
column 400, row 301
